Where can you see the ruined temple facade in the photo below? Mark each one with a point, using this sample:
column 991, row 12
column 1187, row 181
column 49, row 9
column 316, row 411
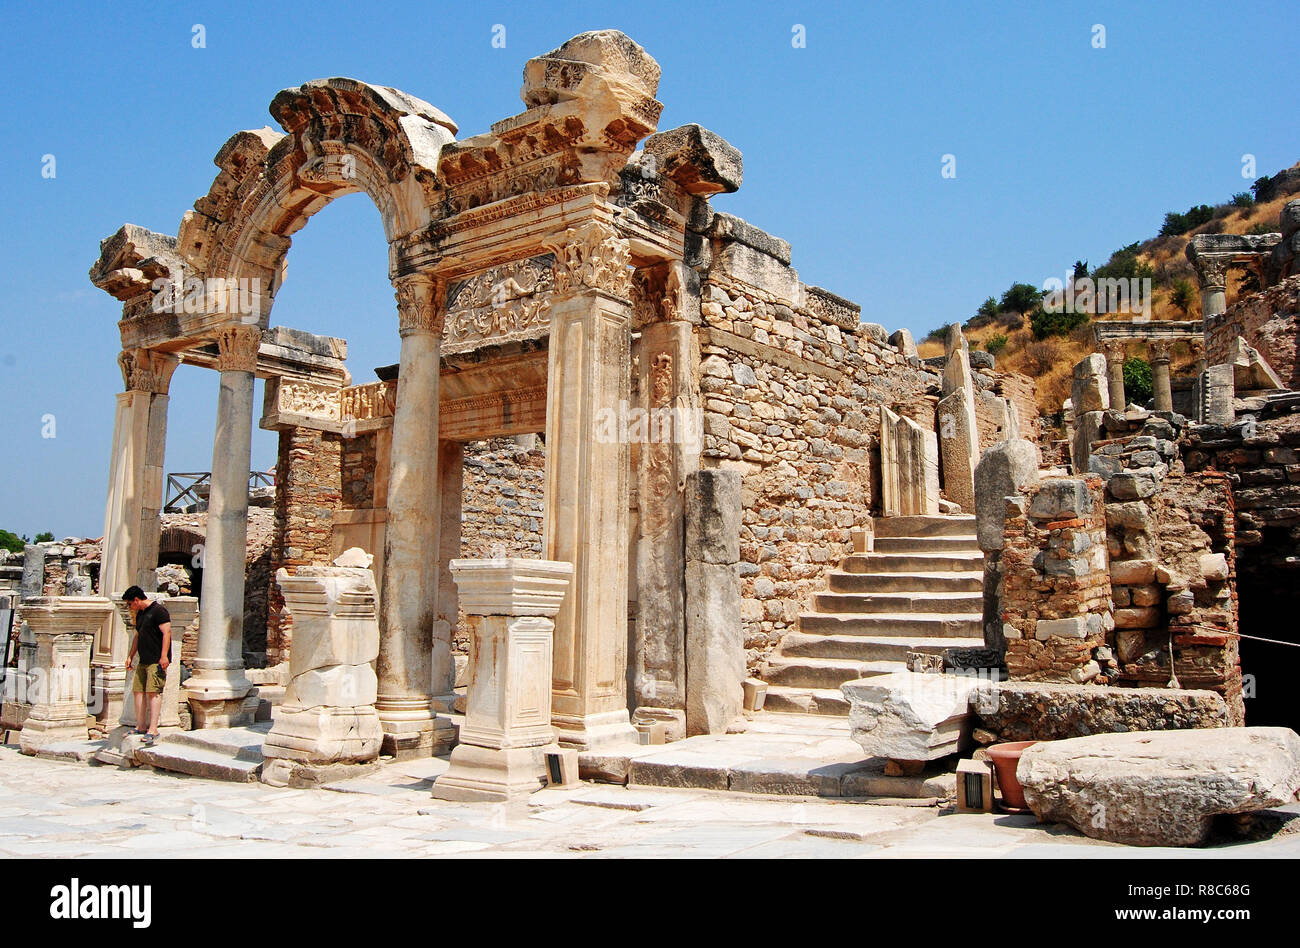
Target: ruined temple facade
column 563, row 274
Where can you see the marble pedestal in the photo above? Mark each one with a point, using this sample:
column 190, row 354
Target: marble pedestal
column 64, row 628
column 510, row 606
column 328, row 715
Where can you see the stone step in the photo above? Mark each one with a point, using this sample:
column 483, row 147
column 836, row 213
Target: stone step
column 799, row 645
column 806, row 701
column 825, row 673
column 927, row 545
column 912, row 562
column 244, row 743
column 899, row 602
column 963, row 525
column 199, row 762
column 921, row 625
column 969, row 581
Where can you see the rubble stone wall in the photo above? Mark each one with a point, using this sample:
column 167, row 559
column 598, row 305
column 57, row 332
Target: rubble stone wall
column 789, row 395
column 1270, row 322
column 1056, row 606
column 308, row 491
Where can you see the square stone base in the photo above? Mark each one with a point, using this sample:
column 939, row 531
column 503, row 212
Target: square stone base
column 13, row 715
column 297, row 775
column 407, row 740
column 224, row 712
column 594, row 731
column 37, row 732
column 492, row 775
column 324, row 735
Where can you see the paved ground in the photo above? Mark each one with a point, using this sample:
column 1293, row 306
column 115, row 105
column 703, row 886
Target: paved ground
column 55, row 808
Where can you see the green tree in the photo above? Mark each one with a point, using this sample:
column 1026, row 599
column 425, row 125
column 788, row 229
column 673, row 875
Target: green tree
column 1080, row 269
column 988, row 309
column 12, row 542
column 1021, row 298
column 45, row 537
column 1183, row 294
column 1046, row 324
column 1137, row 380
column 1243, row 199
column 995, row 344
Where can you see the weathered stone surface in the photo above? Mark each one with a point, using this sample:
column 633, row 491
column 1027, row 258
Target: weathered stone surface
column 1061, row 498
column 908, row 716
column 1050, row 711
column 959, row 448
column 1250, row 370
column 1090, row 389
column 715, row 647
column 1160, row 788
column 701, row 162
column 909, row 467
column 903, row 342
column 1004, row 470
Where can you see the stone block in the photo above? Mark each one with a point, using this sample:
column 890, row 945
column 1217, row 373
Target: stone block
column 1214, row 567
column 959, row 448
column 701, row 162
column 1061, row 498
column 1132, row 572
column 1075, row 627
column 1005, row 469
column 907, row 716
column 1160, row 788
column 1090, row 390
column 1050, row 711
column 1137, row 618
column 1127, row 485
column 713, row 511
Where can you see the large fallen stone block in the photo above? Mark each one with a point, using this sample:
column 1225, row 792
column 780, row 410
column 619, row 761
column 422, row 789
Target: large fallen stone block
column 1051, row 711
column 1160, row 788
column 910, row 716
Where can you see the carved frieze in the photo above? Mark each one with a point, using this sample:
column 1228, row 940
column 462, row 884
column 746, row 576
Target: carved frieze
column 506, row 303
column 364, row 402
column 592, row 256
column 307, row 398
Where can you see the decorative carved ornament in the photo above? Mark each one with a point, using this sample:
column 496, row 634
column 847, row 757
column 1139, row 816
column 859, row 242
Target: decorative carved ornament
column 307, row 398
column 364, row 402
column 237, row 347
column 1160, row 350
column 144, row 370
column 417, row 309
column 506, row 303
column 1213, row 271
column 592, row 256
column 660, row 471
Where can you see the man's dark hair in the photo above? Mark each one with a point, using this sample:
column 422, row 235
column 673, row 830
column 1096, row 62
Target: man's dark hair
column 132, row 594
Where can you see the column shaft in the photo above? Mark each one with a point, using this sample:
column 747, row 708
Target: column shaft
column 219, row 690
column 409, row 600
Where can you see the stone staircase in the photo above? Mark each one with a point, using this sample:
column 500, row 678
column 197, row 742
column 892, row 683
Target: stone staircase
column 920, row 590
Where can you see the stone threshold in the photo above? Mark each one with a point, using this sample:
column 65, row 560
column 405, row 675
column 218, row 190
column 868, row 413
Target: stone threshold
column 778, row 755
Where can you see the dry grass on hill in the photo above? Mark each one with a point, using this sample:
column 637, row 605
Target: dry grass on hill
column 1050, row 361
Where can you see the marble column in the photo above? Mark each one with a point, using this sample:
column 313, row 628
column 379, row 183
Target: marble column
column 409, row 598
column 1114, row 352
column 587, row 484
column 1214, row 288
column 509, row 606
column 131, row 515
column 220, row 693
column 1160, row 382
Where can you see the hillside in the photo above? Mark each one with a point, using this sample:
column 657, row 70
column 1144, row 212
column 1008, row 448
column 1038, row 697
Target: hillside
column 1049, row 360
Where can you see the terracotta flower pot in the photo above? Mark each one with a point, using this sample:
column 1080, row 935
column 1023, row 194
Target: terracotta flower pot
column 1006, row 757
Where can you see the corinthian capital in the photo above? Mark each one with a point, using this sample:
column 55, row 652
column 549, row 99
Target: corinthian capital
column 419, row 308
column 1160, row 350
column 592, row 256
column 237, row 347
column 144, row 370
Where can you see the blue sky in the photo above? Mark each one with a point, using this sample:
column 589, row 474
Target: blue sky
column 1062, row 150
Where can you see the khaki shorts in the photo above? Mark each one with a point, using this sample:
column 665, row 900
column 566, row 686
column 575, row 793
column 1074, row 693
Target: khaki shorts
column 149, row 679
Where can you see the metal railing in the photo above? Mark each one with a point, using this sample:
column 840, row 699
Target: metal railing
column 191, row 484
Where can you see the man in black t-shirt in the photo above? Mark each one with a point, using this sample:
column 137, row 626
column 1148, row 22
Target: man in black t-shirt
column 152, row 642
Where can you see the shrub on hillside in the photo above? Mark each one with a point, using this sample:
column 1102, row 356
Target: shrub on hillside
column 1137, row 380
column 1012, row 321
column 1045, row 324
column 1182, row 295
column 1195, row 216
column 1243, row 199
column 1040, row 357
column 995, row 344
column 1021, row 298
